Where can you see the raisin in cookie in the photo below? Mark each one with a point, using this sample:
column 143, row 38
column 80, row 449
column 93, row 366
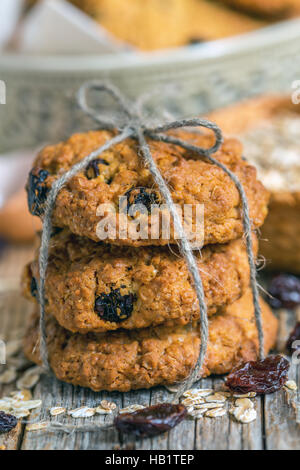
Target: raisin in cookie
column 89, row 204
column 162, row 355
column 99, row 287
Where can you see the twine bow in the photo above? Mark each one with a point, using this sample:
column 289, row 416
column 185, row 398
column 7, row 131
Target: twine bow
column 130, row 122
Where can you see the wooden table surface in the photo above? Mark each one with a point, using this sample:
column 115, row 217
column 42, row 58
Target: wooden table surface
column 277, row 425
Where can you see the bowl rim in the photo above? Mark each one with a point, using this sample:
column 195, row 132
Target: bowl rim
column 247, row 43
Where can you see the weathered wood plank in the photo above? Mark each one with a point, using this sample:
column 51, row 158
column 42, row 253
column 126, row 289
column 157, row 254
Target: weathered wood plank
column 282, row 423
column 13, row 314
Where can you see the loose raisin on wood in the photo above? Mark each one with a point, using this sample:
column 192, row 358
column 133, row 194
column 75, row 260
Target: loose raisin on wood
column 262, row 377
column 151, row 421
column 285, row 291
column 114, row 307
column 7, row 422
column 143, row 196
column 294, row 336
column 37, row 190
column 92, row 170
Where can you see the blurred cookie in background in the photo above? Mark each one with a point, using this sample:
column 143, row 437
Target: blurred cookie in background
column 266, row 8
column 269, row 128
column 158, row 24
column 16, row 224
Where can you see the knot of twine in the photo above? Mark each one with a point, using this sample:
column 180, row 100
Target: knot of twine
column 130, row 122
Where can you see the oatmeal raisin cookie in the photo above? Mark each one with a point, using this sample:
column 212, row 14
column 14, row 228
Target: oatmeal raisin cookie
column 119, row 172
column 163, row 355
column 99, row 287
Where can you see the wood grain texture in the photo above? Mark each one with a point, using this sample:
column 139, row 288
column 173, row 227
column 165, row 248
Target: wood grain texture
column 277, row 425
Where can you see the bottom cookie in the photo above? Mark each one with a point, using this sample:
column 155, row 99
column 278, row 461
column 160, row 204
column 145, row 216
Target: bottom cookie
column 128, row 360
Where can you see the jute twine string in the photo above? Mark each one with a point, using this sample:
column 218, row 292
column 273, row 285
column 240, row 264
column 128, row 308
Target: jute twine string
column 129, row 121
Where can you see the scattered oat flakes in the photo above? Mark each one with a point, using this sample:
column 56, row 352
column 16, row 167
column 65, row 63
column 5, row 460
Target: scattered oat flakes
column 224, row 393
column 27, row 405
column 8, row 377
column 209, row 406
column 197, row 413
column 131, row 408
column 193, row 401
column 198, row 392
column 21, row 395
column 108, row 405
column 244, row 415
column 36, row 426
column 20, row 413
column 215, row 413
column 29, row 379
column 102, row 411
column 245, row 395
column 244, row 403
column 291, row 385
column 82, row 412
column 5, row 406
column 13, row 347
column 57, row 410
column 172, row 388
column 19, row 362
column 216, row 397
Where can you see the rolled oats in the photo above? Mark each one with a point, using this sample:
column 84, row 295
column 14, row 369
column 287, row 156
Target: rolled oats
column 20, row 413
column 29, row 379
column 82, row 412
column 198, row 392
column 36, row 426
column 102, row 411
column 244, row 403
column 196, row 413
column 13, row 347
column 244, row 415
column 216, row 397
column 209, row 406
column 245, row 395
column 192, row 401
column 27, row 405
column 8, row 377
column 108, row 405
column 131, row 408
column 57, row 410
column 291, row 385
column 215, row 413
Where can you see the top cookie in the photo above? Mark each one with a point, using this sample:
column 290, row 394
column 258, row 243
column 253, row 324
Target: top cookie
column 119, row 172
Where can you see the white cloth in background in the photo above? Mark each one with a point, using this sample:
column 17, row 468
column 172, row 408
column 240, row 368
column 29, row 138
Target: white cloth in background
column 57, row 27
column 10, row 12
column 14, row 169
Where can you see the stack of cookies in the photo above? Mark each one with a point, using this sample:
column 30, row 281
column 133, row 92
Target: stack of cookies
column 122, row 313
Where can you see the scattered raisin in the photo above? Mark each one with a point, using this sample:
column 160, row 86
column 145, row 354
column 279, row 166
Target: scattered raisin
column 37, row 190
column 7, row 422
column 33, row 287
column 143, row 196
column 114, row 306
column 262, row 377
column 285, row 291
column 151, row 421
column 294, row 336
column 92, row 170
